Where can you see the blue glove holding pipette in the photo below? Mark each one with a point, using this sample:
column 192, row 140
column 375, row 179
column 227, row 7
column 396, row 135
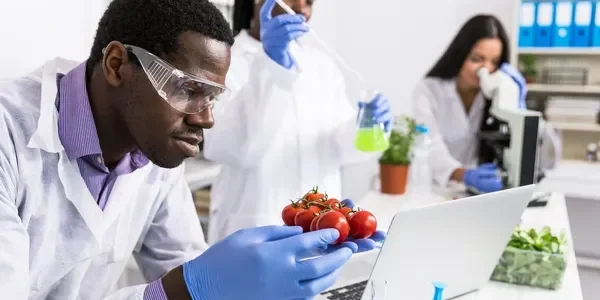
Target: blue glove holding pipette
column 276, row 33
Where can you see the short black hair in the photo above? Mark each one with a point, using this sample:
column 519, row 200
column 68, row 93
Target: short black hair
column 156, row 25
column 475, row 29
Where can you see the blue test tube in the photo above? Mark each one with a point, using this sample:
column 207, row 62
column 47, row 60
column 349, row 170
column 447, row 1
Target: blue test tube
column 438, row 290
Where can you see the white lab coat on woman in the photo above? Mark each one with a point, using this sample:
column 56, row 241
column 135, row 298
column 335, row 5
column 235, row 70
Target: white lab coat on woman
column 55, row 241
column 280, row 133
column 453, row 131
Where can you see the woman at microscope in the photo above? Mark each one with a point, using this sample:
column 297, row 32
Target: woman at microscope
column 449, row 102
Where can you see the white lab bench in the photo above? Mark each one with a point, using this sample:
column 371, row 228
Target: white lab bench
column 553, row 215
column 201, row 173
column 575, row 179
column 579, row 181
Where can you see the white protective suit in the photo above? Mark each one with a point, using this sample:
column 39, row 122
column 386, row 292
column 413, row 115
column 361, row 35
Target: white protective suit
column 55, row 241
column 453, row 131
column 279, row 134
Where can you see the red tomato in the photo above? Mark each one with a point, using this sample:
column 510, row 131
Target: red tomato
column 289, row 213
column 314, row 195
column 313, row 224
column 362, row 224
column 334, row 219
column 304, row 218
column 334, row 203
column 346, row 211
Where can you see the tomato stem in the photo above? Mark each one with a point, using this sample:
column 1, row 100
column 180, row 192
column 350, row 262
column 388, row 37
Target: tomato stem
column 317, row 204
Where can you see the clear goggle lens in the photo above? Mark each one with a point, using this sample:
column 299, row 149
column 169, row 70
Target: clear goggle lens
column 185, row 93
column 190, row 96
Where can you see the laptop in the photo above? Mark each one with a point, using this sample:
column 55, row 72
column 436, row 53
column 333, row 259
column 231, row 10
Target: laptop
column 457, row 243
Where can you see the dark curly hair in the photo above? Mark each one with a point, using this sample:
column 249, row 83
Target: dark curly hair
column 155, row 25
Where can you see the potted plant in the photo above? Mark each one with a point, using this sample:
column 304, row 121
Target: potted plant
column 395, row 161
column 528, row 68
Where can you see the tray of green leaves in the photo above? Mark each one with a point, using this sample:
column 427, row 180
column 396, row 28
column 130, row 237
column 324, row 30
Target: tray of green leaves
column 534, row 258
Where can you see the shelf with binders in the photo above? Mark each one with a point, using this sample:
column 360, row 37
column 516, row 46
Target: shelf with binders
column 559, row 51
column 570, row 26
column 563, row 89
column 567, row 75
column 576, row 126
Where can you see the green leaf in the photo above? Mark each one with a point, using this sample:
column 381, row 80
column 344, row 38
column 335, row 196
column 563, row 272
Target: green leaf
column 402, row 139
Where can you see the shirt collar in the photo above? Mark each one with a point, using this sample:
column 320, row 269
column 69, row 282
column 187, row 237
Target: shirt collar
column 76, row 127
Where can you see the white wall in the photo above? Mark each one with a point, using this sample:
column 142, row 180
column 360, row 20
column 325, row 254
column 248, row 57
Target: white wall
column 393, row 46
column 34, row 31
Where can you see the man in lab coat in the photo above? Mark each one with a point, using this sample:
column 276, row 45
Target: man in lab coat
column 91, row 171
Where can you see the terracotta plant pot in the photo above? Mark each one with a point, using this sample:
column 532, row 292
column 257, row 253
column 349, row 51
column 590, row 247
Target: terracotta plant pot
column 529, row 79
column 393, row 178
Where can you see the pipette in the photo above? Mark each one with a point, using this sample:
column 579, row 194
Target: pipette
column 336, row 56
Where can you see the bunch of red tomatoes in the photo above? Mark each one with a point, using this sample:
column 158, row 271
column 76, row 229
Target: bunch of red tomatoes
column 315, row 211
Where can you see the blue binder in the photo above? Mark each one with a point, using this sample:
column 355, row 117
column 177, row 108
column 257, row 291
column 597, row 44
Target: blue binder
column 596, row 25
column 544, row 21
column 563, row 19
column 526, row 23
column 582, row 19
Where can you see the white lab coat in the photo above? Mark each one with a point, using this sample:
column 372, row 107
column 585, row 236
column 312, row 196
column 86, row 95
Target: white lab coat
column 453, row 131
column 55, row 241
column 436, row 104
column 279, row 134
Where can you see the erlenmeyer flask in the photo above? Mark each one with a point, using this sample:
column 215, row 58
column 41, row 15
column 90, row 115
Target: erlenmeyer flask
column 370, row 136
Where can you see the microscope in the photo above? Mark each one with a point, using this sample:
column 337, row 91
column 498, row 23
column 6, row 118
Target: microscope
column 515, row 142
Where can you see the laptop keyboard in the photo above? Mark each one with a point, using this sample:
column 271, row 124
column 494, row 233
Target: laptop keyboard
column 349, row 292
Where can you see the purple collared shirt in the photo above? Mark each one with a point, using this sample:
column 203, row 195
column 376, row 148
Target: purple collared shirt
column 77, row 132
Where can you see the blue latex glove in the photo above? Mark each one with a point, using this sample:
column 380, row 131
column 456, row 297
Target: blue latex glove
column 276, row 33
column 263, row 263
column 484, row 178
column 380, row 106
column 519, row 79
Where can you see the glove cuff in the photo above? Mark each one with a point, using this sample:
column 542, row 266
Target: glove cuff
column 196, row 285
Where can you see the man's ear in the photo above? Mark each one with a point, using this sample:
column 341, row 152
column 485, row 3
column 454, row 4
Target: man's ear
column 115, row 64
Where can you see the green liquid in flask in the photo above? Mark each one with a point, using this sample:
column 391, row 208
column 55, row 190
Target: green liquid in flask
column 371, row 139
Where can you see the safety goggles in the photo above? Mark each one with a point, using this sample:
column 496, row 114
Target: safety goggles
column 184, row 92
